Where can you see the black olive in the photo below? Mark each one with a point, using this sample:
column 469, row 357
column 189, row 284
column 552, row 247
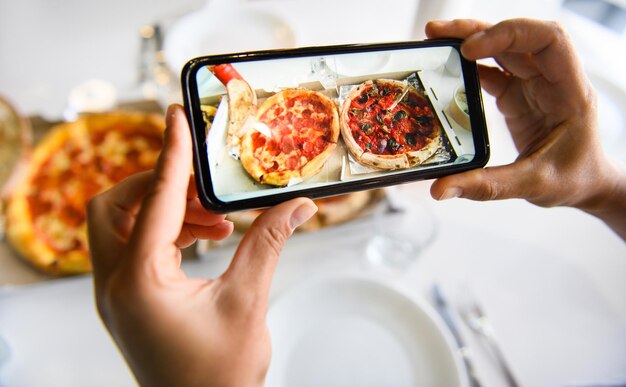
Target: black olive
column 365, row 126
column 379, row 119
column 393, row 146
column 363, row 98
column 423, row 119
column 410, row 139
column 400, row 114
column 385, row 92
column 412, row 101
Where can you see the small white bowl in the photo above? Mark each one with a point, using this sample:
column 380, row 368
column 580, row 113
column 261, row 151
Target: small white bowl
column 458, row 108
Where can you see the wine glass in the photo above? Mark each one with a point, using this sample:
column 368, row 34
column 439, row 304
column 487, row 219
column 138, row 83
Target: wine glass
column 401, row 230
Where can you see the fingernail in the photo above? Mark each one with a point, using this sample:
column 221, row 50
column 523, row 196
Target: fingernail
column 439, row 22
column 450, row 193
column 171, row 113
column 302, row 214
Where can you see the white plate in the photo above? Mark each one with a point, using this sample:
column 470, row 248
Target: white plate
column 224, row 29
column 357, row 65
column 358, row 332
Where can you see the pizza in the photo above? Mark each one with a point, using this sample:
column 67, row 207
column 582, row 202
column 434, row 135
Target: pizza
column 294, row 133
column 388, row 124
column 242, row 101
column 330, row 211
column 46, row 213
column 241, row 108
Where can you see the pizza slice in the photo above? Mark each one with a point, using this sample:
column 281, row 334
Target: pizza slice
column 242, row 101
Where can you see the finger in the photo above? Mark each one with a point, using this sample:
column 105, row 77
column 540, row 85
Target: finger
column 110, row 220
column 257, row 255
column 503, row 182
column 546, row 42
column 522, row 65
column 493, row 80
column 112, row 210
column 192, row 232
column 196, row 214
column 519, row 64
column 510, row 99
column 160, row 219
column 129, row 193
column 459, row 28
column 192, row 190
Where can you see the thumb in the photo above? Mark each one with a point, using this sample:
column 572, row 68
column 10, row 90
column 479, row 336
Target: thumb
column 161, row 216
column 257, row 255
column 503, row 182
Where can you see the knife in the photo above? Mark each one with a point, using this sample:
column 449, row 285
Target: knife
column 443, row 309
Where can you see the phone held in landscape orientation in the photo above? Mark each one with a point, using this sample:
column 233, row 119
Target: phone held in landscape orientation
column 268, row 126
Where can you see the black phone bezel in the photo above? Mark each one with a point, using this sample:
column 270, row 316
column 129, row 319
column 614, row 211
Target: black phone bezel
column 197, row 126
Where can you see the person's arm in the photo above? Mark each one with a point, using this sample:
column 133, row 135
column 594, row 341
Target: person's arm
column 174, row 330
column 550, row 110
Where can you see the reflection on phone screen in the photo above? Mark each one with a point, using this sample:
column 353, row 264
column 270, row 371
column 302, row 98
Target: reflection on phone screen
column 295, row 123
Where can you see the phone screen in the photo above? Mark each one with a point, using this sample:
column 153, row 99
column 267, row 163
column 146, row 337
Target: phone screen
column 316, row 122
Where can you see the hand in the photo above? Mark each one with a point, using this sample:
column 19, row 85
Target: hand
column 550, row 109
column 174, row 330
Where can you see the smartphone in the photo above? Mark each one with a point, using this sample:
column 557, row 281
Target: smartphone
column 268, row 126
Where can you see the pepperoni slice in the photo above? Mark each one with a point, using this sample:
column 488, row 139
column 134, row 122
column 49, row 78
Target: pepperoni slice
column 293, row 162
column 287, row 144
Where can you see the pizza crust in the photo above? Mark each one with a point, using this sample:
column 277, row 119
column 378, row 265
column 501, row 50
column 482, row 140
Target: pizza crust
column 386, row 162
column 242, row 103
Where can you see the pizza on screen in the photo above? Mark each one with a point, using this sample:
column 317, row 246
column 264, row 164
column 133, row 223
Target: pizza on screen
column 295, row 123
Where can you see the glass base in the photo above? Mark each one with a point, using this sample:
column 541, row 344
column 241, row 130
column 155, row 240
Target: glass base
column 396, row 253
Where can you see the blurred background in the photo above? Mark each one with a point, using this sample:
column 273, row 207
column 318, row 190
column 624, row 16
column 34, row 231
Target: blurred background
column 65, row 56
column 48, row 48
column 551, row 280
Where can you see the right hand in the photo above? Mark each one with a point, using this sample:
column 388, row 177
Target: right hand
column 550, row 109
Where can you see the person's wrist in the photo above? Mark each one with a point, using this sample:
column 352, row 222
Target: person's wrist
column 609, row 201
column 609, row 189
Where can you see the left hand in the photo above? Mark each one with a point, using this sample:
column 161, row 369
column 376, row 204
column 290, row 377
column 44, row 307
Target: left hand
column 174, row 330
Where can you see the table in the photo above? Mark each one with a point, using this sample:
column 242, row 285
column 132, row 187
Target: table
column 551, row 280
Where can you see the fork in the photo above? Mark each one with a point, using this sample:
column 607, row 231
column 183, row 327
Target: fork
column 475, row 318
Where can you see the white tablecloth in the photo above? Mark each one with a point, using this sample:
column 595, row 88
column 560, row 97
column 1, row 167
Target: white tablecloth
column 551, row 280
